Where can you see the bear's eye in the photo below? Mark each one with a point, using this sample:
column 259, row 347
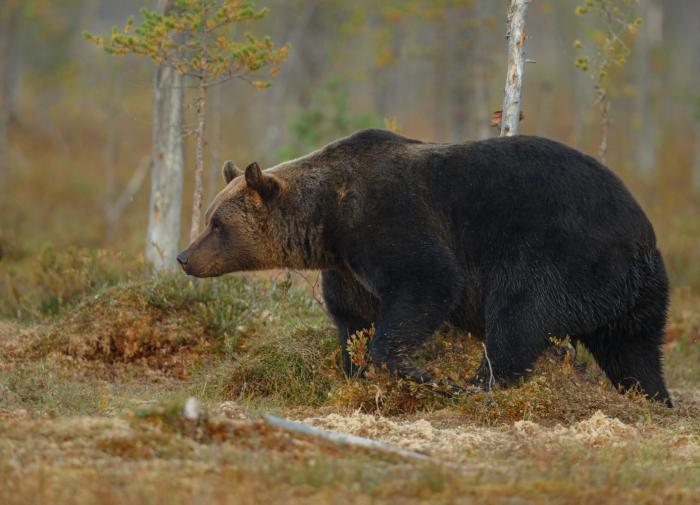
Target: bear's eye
column 215, row 225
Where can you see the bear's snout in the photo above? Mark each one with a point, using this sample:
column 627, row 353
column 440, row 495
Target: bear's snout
column 182, row 259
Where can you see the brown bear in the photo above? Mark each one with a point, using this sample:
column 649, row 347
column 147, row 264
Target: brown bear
column 515, row 239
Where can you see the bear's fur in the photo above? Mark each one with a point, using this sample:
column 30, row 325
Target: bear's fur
column 515, row 239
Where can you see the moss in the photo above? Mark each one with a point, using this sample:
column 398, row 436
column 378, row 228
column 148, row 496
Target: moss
column 297, row 366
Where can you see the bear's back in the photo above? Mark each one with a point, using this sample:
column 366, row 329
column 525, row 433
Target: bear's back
column 522, row 184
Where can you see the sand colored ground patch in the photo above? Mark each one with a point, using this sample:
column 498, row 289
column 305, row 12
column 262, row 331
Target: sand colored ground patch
column 456, row 444
column 596, row 431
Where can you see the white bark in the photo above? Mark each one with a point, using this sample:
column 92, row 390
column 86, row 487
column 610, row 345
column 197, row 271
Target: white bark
column 163, row 234
column 214, row 175
column 516, row 62
column 199, row 161
column 342, row 438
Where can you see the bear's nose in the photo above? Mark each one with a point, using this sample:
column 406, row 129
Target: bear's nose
column 182, row 259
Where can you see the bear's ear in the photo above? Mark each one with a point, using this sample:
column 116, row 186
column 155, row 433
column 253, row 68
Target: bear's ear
column 231, row 171
column 264, row 184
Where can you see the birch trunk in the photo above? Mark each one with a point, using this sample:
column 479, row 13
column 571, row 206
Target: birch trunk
column 163, row 235
column 514, row 74
column 215, row 165
column 199, row 161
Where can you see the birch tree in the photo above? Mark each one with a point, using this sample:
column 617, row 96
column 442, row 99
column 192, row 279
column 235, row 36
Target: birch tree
column 194, row 40
column 606, row 53
column 510, row 119
column 167, row 171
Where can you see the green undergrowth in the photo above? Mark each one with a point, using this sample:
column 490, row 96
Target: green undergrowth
column 265, row 341
column 46, row 284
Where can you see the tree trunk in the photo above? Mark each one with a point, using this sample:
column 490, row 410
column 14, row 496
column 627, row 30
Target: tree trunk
column 645, row 151
column 9, row 31
column 514, row 73
column 480, row 90
column 215, row 165
column 163, row 234
column 199, row 160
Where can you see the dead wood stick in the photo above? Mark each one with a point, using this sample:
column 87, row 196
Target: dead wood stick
column 341, row 438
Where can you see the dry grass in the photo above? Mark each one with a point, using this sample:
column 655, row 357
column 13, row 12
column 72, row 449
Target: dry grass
column 92, row 396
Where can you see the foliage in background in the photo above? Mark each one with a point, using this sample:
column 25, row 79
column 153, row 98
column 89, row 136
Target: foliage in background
column 59, row 279
column 327, row 119
column 196, row 39
column 606, row 52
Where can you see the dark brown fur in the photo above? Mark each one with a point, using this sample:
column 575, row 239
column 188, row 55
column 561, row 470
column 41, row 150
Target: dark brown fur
column 514, row 239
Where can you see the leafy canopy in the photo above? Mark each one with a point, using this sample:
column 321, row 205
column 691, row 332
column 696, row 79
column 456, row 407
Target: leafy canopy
column 194, row 38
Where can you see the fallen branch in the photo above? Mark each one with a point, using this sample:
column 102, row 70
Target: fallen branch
column 342, row 438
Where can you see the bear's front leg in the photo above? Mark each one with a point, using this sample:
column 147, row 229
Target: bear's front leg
column 407, row 318
column 352, row 308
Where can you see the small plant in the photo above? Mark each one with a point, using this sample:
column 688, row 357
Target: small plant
column 358, row 347
column 607, row 52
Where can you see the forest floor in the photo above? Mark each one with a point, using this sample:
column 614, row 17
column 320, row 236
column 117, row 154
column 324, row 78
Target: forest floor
column 92, row 410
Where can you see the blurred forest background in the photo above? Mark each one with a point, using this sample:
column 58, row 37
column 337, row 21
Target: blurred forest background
column 75, row 123
column 98, row 355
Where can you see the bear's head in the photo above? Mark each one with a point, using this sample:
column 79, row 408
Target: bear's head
column 238, row 234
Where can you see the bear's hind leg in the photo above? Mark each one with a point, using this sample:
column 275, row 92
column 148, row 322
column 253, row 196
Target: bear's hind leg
column 407, row 318
column 636, row 365
column 629, row 348
column 513, row 344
